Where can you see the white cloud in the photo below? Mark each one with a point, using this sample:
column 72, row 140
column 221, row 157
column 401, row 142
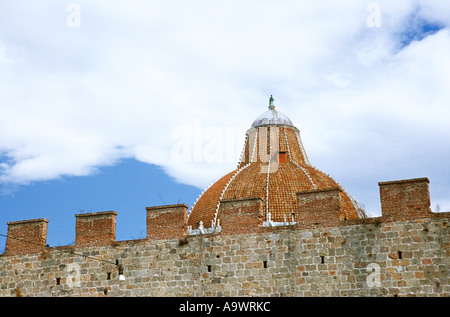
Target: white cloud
column 73, row 99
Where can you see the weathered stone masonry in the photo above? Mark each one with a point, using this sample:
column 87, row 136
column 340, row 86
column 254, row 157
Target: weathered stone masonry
column 405, row 252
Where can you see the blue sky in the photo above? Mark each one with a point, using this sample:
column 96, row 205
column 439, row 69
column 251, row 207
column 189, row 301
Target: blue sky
column 111, row 107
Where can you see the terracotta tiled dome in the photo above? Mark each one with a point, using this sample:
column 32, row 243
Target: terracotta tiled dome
column 275, row 178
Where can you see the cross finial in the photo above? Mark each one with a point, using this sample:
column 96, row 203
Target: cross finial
column 271, row 105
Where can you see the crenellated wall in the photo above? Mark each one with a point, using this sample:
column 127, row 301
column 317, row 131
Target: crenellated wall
column 405, row 252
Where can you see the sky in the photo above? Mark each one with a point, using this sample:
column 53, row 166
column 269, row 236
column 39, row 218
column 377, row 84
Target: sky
column 113, row 106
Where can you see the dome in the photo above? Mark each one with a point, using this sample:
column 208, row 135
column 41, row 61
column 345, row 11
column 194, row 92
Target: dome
column 272, row 116
column 273, row 167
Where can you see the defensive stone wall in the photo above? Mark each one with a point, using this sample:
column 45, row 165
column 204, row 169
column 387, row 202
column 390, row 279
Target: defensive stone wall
column 405, row 252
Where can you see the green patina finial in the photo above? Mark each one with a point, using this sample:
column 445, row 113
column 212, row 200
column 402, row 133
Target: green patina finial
column 271, row 105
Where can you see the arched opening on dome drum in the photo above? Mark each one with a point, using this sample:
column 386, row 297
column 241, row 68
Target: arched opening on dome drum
column 281, row 157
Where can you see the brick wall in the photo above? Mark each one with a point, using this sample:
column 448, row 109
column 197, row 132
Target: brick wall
column 241, row 215
column 405, row 199
column 27, row 236
column 95, row 229
column 166, row 222
column 319, row 207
